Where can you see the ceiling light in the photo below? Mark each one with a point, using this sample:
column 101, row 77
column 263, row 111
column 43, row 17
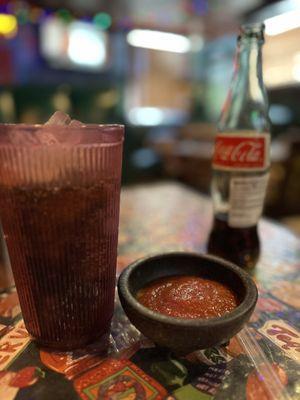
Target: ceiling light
column 282, row 23
column 296, row 73
column 146, row 116
column 157, row 40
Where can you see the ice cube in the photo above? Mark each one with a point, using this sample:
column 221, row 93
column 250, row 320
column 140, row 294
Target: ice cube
column 21, row 137
column 76, row 123
column 59, row 118
column 45, row 137
column 46, row 134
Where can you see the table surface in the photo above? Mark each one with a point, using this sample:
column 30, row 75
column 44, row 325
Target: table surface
column 155, row 218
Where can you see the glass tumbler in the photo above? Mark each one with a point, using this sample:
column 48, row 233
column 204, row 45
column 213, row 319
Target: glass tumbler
column 59, row 208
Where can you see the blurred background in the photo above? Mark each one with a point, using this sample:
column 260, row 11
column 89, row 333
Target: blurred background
column 162, row 67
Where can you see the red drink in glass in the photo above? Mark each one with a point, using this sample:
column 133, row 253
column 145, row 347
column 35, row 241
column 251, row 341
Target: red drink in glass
column 59, row 202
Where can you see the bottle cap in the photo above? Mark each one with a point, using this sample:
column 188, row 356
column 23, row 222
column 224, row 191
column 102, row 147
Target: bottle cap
column 252, row 31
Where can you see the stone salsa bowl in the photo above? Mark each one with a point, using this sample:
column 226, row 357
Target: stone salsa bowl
column 186, row 335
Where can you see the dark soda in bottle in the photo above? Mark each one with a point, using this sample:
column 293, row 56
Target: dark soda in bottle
column 241, row 158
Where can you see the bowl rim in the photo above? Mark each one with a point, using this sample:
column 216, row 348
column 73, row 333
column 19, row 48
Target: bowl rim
column 245, row 306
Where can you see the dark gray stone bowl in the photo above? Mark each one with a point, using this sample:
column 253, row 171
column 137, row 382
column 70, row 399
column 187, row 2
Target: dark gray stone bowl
column 186, row 335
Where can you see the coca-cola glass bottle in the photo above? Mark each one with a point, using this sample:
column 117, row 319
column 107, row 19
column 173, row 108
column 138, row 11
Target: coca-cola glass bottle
column 241, row 158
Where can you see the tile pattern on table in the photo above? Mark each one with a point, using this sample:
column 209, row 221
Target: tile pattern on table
column 165, row 217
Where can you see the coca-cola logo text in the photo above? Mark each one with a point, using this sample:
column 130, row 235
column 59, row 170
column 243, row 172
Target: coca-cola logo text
column 240, row 152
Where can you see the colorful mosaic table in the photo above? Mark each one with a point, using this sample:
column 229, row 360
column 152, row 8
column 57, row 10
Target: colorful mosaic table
column 260, row 363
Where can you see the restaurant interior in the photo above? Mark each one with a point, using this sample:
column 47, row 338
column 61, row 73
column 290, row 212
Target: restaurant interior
column 163, row 69
column 180, row 291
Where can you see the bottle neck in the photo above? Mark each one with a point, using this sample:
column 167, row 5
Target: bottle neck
column 248, row 70
column 246, row 106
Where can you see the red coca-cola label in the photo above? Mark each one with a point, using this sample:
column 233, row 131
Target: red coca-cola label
column 233, row 151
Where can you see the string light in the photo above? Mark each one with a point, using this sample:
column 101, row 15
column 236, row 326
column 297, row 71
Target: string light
column 36, row 14
column 8, row 25
column 64, row 14
column 22, row 16
column 102, row 20
column 25, row 13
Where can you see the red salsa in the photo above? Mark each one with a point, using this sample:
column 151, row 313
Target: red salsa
column 188, row 297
